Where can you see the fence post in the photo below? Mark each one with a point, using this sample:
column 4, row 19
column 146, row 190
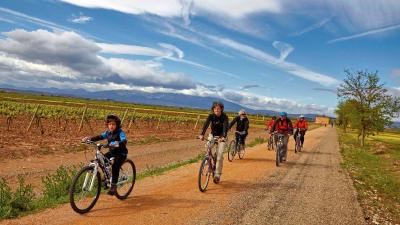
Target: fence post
column 123, row 117
column 83, row 117
column 197, row 122
column 159, row 120
column 132, row 117
column 33, row 117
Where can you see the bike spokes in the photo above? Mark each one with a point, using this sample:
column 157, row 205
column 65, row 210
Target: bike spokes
column 205, row 172
column 126, row 179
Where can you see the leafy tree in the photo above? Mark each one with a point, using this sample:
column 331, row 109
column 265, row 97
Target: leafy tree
column 373, row 108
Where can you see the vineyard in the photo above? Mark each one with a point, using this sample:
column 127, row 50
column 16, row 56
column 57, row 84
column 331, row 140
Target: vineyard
column 32, row 126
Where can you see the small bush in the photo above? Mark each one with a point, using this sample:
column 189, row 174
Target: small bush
column 56, row 185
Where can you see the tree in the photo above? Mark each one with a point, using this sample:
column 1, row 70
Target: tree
column 346, row 115
column 373, row 107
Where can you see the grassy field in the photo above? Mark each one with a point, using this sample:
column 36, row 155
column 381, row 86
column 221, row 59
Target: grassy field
column 375, row 170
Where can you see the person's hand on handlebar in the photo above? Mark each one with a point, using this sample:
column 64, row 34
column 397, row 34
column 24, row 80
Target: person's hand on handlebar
column 86, row 139
column 222, row 139
column 201, row 137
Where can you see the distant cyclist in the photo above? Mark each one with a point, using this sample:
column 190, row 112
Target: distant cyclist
column 242, row 126
column 269, row 124
column 301, row 126
column 219, row 127
column 284, row 126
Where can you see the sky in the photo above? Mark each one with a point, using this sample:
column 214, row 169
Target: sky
column 278, row 55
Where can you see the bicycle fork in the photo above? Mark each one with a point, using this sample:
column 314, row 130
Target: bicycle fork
column 90, row 179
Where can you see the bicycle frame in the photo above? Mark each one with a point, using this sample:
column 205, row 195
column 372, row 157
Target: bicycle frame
column 210, row 144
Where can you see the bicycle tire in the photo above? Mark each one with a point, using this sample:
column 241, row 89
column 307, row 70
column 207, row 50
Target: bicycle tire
column 278, row 157
column 75, row 184
column 204, row 167
column 120, row 194
column 242, row 150
column 231, row 150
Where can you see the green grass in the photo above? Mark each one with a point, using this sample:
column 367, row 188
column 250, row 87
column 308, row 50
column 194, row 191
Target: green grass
column 374, row 171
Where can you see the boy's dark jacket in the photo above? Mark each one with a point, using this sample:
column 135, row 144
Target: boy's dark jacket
column 117, row 136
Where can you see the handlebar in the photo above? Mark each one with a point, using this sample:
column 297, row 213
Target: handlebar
column 100, row 145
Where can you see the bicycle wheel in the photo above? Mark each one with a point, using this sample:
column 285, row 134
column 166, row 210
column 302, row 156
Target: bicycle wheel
column 126, row 179
column 204, row 174
column 278, row 157
column 231, row 150
column 85, row 190
column 242, row 150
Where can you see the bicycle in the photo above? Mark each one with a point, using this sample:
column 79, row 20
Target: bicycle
column 271, row 141
column 208, row 164
column 297, row 147
column 236, row 147
column 86, row 184
column 280, row 152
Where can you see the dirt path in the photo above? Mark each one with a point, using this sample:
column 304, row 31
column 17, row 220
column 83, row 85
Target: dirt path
column 316, row 192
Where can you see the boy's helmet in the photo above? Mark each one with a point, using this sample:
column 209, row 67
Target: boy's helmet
column 114, row 118
column 283, row 114
column 217, row 103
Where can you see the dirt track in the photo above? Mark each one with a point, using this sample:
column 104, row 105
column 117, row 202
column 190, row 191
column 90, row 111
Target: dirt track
column 308, row 189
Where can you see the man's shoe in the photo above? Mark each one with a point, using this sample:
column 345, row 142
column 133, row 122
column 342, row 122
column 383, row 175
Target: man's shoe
column 216, row 180
column 112, row 190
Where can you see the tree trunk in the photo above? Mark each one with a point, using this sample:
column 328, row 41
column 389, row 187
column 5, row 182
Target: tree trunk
column 362, row 136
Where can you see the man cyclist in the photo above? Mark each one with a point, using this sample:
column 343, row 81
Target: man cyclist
column 284, row 126
column 219, row 127
column 301, row 126
column 242, row 126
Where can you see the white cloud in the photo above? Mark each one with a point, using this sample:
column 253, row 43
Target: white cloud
column 81, row 19
column 284, row 48
column 366, row 33
column 130, row 50
column 66, row 55
column 263, row 57
column 312, row 27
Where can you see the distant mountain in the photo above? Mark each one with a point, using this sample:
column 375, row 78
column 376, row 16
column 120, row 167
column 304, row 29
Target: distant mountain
column 163, row 99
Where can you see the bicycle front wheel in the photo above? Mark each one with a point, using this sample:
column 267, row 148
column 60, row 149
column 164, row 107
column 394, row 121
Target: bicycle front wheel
column 242, row 150
column 126, row 179
column 231, row 150
column 278, row 156
column 204, row 174
column 85, row 190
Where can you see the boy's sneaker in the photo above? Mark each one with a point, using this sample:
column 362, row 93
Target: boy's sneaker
column 216, row 180
column 112, row 190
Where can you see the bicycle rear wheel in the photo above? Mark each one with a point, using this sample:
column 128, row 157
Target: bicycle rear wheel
column 126, row 179
column 242, row 150
column 204, row 174
column 231, row 150
column 85, row 190
column 278, row 156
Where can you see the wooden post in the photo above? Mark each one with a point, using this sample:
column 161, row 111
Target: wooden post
column 33, row 117
column 197, row 122
column 123, row 117
column 159, row 120
column 132, row 118
column 83, row 118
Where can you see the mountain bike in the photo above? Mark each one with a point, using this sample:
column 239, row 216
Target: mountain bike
column 271, row 141
column 86, row 184
column 280, row 151
column 297, row 147
column 236, row 147
column 208, row 165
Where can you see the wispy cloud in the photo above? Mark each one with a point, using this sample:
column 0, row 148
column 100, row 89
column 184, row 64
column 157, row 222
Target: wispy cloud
column 325, row 90
column 247, row 87
column 284, row 48
column 6, row 20
column 266, row 58
column 366, row 33
column 81, row 19
column 122, row 49
column 312, row 27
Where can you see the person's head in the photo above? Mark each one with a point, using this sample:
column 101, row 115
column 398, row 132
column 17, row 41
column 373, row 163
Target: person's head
column 242, row 113
column 273, row 117
column 283, row 114
column 301, row 117
column 217, row 108
column 113, row 122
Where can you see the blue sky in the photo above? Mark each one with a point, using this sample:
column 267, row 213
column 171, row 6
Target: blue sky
column 277, row 55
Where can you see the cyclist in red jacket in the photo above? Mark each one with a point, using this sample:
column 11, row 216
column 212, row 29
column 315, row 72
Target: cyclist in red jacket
column 301, row 126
